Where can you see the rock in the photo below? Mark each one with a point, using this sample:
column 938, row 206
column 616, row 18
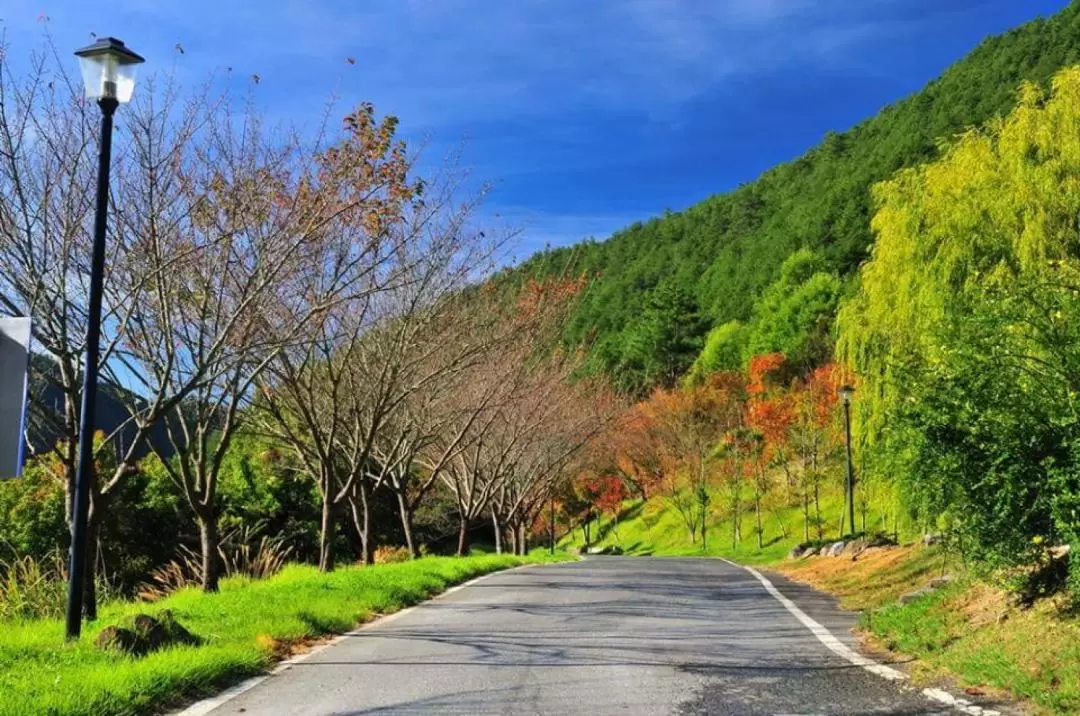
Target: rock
column 594, row 550
column 146, row 634
column 939, row 582
column 929, row 539
column 855, row 548
column 917, row 594
column 798, row 551
column 835, row 550
column 114, row 637
column 150, row 635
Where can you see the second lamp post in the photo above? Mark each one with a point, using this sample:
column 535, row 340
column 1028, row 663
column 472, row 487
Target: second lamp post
column 845, row 396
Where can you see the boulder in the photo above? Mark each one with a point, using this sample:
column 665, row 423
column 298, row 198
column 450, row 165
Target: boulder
column 118, row 638
column 797, row 551
column 854, row 548
column 150, row 634
column 836, row 549
column 929, row 539
column 939, row 582
column 146, row 634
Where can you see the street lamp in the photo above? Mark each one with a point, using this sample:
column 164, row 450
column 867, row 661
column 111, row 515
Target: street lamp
column 108, row 71
column 845, row 397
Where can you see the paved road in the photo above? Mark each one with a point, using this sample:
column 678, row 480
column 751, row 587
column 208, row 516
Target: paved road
column 603, row 636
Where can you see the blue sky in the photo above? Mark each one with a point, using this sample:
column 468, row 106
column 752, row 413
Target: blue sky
column 587, row 114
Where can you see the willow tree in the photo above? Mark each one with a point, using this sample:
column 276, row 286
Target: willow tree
column 966, row 327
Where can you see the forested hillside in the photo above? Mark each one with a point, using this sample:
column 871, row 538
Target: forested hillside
column 659, row 287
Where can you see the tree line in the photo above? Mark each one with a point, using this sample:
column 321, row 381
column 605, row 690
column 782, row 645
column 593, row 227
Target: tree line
column 307, row 287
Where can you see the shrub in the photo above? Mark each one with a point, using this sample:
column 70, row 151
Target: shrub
column 239, row 553
column 31, row 589
column 388, row 554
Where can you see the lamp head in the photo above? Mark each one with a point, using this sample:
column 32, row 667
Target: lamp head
column 108, row 70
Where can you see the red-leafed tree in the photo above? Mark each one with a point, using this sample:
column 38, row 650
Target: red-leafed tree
column 607, row 492
column 815, row 435
column 770, row 416
column 691, row 424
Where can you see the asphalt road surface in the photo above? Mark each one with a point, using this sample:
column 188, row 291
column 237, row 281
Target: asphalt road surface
column 607, row 635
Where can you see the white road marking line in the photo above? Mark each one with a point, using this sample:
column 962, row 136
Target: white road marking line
column 828, row 639
column 201, row 708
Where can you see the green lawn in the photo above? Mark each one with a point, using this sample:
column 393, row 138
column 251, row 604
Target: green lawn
column 245, row 627
column 655, row 528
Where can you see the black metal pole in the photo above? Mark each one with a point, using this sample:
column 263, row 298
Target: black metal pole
column 84, row 475
column 551, row 503
column 850, row 473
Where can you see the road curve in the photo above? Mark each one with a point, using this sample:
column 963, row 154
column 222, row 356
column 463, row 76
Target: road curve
column 602, row 636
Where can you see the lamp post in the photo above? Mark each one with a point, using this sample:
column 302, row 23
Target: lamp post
column 108, row 71
column 845, row 396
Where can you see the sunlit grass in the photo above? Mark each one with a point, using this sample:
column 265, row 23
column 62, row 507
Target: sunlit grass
column 245, row 627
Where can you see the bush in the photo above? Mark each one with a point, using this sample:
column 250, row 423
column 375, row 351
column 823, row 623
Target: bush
column 388, row 554
column 31, row 589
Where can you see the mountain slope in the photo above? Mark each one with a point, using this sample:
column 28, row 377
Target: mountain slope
column 659, row 286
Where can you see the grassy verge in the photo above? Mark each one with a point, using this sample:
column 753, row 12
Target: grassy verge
column 655, row 528
column 968, row 630
column 246, row 627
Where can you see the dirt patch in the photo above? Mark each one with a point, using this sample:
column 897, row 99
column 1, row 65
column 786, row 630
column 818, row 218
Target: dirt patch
column 982, row 605
column 874, row 577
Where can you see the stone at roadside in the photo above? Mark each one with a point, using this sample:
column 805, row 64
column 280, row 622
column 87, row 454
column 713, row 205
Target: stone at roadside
column 912, row 596
column 939, row 582
column 798, row 551
column 929, row 539
column 146, row 634
column 836, row 549
column 1061, row 551
column 114, row 637
column 854, row 548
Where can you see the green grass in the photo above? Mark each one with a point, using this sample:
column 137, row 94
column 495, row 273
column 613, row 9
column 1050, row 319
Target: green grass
column 655, row 528
column 970, row 631
column 245, row 627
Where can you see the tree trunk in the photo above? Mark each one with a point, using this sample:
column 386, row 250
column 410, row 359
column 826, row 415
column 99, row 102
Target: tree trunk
column 497, row 526
column 513, row 533
column 585, row 529
column 326, row 533
column 760, row 528
column 806, row 515
column 93, row 532
column 463, row 536
column 817, row 509
column 208, row 538
column 361, row 514
column 407, row 524
column 522, row 538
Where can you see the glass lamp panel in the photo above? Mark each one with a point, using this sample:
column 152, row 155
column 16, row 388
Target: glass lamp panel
column 93, row 75
column 125, row 82
column 105, row 76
